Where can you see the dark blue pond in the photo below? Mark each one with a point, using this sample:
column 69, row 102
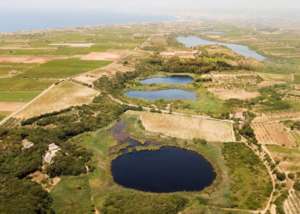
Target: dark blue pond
column 167, row 94
column 169, row 169
column 193, row 41
column 174, row 79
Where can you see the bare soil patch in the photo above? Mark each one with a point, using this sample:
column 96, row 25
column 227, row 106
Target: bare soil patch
column 90, row 77
column 240, row 94
column 277, row 116
column 61, row 96
column 74, row 45
column 10, row 106
column 28, row 59
column 273, row 133
column 188, row 127
column 101, row 56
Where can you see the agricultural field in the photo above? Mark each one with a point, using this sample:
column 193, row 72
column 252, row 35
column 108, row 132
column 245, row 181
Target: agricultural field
column 288, row 157
column 273, row 134
column 186, row 127
column 69, row 90
column 73, row 94
column 57, row 69
column 291, row 205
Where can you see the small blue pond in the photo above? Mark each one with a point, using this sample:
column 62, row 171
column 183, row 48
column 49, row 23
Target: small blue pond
column 167, row 94
column 174, row 79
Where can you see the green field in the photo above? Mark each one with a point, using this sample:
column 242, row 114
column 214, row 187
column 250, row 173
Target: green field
column 250, row 184
column 84, row 161
column 18, row 96
column 72, row 195
column 33, row 79
column 22, row 89
column 63, row 68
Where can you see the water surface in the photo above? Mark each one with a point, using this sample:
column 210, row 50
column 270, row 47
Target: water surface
column 169, row 169
column 193, row 41
column 167, row 94
column 12, row 21
column 174, row 79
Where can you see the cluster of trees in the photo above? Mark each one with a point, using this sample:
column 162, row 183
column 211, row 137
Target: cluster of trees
column 114, row 84
column 16, row 163
column 199, row 65
column 133, row 202
column 272, row 98
column 22, row 196
column 244, row 165
column 69, row 161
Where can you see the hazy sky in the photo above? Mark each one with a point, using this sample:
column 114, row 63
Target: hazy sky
column 147, row 5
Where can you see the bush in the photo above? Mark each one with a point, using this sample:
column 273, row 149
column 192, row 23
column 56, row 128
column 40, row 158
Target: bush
column 129, row 202
column 297, row 185
column 200, row 141
column 280, row 176
column 22, row 196
column 66, row 165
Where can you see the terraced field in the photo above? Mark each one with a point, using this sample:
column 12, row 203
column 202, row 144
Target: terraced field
column 273, row 133
column 292, row 203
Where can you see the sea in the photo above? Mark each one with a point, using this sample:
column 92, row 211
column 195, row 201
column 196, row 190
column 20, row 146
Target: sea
column 29, row 21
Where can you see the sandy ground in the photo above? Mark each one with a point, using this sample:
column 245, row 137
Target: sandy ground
column 74, row 45
column 89, row 77
column 61, row 96
column 10, row 106
column 43, row 179
column 240, row 94
column 188, row 127
column 101, row 56
column 273, row 133
column 28, row 59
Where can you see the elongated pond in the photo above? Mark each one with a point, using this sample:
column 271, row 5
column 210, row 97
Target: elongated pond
column 193, row 41
column 167, row 94
column 174, row 79
column 168, row 169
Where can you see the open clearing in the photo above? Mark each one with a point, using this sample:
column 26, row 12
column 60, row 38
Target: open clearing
column 101, row 56
column 188, row 127
column 59, row 97
column 289, row 157
column 10, row 106
column 240, row 94
column 273, row 133
column 90, row 77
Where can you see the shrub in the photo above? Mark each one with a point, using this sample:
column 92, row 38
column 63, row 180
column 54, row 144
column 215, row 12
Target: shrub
column 22, row 196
